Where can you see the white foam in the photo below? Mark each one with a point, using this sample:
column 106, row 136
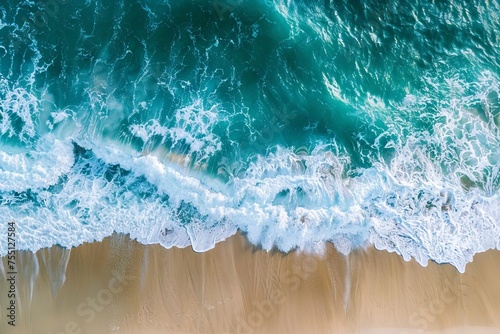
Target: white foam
column 417, row 205
column 284, row 200
column 36, row 170
column 191, row 125
column 17, row 103
column 57, row 117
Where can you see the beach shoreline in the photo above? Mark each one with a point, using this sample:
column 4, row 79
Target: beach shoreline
column 121, row 286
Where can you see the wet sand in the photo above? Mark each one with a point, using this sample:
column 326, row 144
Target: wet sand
column 121, row 286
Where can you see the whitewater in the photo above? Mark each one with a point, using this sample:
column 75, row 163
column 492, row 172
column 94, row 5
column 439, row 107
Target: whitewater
column 297, row 123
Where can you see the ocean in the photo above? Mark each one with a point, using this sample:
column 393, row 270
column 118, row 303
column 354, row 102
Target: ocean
column 295, row 122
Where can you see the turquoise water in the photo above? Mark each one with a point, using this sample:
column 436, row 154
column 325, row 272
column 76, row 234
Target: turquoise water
column 296, row 122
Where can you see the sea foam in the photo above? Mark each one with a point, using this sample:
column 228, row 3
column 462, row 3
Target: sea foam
column 153, row 134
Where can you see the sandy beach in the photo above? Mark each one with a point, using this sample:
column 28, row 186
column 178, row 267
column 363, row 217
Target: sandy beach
column 121, row 286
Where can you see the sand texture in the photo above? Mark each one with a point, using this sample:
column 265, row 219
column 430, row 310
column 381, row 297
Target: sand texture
column 121, row 286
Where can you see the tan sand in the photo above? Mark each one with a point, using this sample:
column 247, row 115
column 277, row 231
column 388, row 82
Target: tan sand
column 121, row 286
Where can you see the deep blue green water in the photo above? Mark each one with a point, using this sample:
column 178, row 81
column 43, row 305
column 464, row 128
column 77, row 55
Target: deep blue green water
column 296, row 122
